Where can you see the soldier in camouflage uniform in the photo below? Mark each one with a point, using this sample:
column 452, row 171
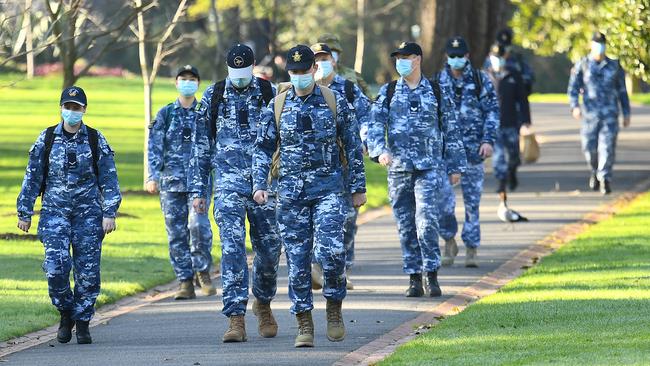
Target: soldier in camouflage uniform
column 478, row 118
column 170, row 149
column 226, row 146
column 601, row 81
column 306, row 140
column 347, row 73
column 359, row 105
column 413, row 132
column 71, row 166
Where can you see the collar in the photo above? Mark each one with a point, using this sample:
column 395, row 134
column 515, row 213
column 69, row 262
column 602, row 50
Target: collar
column 401, row 82
column 291, row 94
column 58, row 130
column 252, row 89
column 177, row 104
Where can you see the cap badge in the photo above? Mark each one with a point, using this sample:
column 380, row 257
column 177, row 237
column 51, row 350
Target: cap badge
column 296, row 57
column 238, row 61
column 73, row 92
column 318, row 47
column 455, row 43
column 187, row 67
column 401, row 46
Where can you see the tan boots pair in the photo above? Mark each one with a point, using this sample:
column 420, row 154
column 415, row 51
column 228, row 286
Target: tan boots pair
column 451, row 251
column 266, row 324
column 186, row 288
column 335, row 325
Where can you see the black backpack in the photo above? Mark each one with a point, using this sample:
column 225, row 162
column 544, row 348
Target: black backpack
column 93, row 141
column 217, row 97
column 349, row 91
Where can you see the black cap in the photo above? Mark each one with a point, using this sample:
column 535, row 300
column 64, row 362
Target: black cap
column 457, row 47
column 599, row 37
column 188, row 68
column 240, row 56
column 320, row 48
column 73, row 94
column 300, row 57
column 504, row 37
column 407, row 48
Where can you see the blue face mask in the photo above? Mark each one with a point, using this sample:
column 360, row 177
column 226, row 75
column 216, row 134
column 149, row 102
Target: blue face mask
column 597, row 48
column 72, row 118
column 404, row 66
column 325, row 69
column 335, row 56
column 241, row 83
column 456, row 63
column 302, row 81
column 187, row 88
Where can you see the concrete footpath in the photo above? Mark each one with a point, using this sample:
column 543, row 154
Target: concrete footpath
column 552, row 193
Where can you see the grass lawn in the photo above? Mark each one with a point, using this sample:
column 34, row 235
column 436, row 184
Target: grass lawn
column 586, row 304
column 643, row 99
column 135, row 257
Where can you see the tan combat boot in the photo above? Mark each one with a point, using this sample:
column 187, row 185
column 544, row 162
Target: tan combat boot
column 451, row 251
column 266, row 325
column 335, row 326
column 470, row 258
column 305, row 336
column 207, row 287
column 185, row 291
column 236, row 330
column 316, row 276
column 348, row 283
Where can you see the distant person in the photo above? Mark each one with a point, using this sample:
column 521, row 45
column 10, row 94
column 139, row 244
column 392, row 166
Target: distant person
column 413, row 132
column 478, row 119
column 601, row 82
column 347, row 73
column 71, row 167
column 170, row 149
column 516, row 60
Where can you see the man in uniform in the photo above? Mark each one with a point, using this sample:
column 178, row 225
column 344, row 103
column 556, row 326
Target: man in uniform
column 413, row 132
column 601, row 81
column 170, row 149
column 306, row 140
column 478, row 119
column 71, row 167
column 233, row 108
column 359, row 105
column 347, row 73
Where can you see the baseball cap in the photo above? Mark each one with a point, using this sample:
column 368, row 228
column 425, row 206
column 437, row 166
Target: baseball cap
column 321, row 48
column 457, row 47
column 300, row 57
column 407, row 48
column 240, row 60
column 188, row 68
column 73, row 94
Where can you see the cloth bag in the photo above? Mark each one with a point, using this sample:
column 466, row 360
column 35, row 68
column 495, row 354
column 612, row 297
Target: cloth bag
column 528, row 145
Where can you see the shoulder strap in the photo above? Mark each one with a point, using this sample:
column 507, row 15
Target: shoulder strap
column 49, row 140
column 436, row 92
column 93, row 141
column 215, row 101
column 279, row 106
column 330, row 99
column 267, row 90
column 390, row 92
column 478, row 82
column 349, row 91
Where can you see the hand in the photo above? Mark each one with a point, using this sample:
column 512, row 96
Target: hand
column 577, row 113
column 365, row 149
column 24, row 225
column 358, row 199
column 261, row 196
column 152, row 186
column 626, row 121
column 200, row 205
column 385, row 159
column 486, row 150
column 108, row 224
column 454, row 179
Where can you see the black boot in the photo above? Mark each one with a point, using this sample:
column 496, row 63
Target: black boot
column 594, row 184
column 83, row 333
column 501, row 185
column 433, row 288
column 605, row 188
column 415, row 286
column 512, row 179
column 64, row 334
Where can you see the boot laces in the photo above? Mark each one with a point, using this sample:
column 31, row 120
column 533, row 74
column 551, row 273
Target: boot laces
column 304, row 325
column 334, row 314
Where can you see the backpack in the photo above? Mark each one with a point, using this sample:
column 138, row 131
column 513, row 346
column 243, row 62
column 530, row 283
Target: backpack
column 93, row 141
column 217, row 97
column 349, row 91
column 436, row 92
column 330, row 99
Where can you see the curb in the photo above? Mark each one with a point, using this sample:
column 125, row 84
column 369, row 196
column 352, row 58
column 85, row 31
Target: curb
column 382, row 347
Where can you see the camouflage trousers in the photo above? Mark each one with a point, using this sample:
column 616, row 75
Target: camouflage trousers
column 414, row 199
column 230, row 212
column 506, row 152
column 82, row 232
column 300, row 221
column 349, row 233
column 189, row 235
column 472, row 186
column 599, row 145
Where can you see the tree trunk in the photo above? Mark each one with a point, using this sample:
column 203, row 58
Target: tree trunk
column 29, row 42
column 144, row 71
column 361, row 21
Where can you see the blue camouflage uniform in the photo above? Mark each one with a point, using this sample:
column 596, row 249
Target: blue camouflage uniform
column 312, row 188
column 230, row 156
column 171, row 140
column 74, row 203
column 478, row 120
column 409, row 129
column 360, row 109
column 602, row 85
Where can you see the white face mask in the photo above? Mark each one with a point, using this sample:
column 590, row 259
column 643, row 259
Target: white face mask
column 597, row 48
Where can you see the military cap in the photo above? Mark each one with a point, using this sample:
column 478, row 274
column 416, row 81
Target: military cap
column 240, row 60
column 188, row 68
column 73, row 94
column 300, row 57
column 457, row 47
column 320, row 48
column 598, row 37
column 407, row 48
column 332, row 41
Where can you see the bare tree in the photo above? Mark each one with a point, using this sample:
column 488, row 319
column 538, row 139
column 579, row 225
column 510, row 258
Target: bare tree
column 361, row 36
column 165, row 46
column 29, row 41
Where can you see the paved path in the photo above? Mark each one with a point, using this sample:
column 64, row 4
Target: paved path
column 552, row 194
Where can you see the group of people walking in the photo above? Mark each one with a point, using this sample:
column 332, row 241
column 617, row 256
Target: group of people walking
column 289, row 158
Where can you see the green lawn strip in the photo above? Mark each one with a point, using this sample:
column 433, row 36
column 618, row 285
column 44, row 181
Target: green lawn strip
column 586, row 304
column 643, row 99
